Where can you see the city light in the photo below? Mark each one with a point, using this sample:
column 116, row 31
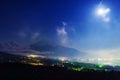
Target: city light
column 100, row 65
column 36, row 64
column 32, row 56
column 63, row 58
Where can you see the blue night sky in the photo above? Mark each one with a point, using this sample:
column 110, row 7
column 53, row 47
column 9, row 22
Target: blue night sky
column 71, row 23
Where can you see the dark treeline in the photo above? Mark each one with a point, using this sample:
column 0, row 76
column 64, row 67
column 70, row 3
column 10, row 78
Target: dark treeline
column 17, row 71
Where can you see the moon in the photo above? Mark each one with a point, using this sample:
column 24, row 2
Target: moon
column 103, row 13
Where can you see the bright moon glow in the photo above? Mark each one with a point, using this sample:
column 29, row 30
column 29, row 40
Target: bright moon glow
column 103, row 12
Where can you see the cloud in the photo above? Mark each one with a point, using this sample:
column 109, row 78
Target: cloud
column 73, row 30
column 64, row 23
column 35, row 35
column 22, row 34
column 105, row 56
column 105, row 53
column 61, row 32
column 29, row 35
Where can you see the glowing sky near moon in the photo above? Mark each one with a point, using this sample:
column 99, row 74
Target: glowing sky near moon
column 103, row 13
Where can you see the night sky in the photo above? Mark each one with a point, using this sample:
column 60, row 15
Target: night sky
column 71, row 23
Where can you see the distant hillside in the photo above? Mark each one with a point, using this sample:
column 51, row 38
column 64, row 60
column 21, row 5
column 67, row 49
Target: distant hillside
column 10, row 45
column 13, row 47
column 44, row 47
column 57, row 50
column 6, row 57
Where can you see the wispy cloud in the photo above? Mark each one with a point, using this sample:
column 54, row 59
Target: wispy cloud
column 29, row 35
column 64, row 23
column 22, row 34
column 35, row 35
column 62, row 33
column 104, row 53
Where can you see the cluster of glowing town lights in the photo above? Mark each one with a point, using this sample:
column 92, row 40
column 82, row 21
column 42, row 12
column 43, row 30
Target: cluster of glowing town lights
column 36, row 64
column 63, row 58
column 35, row 56
column 78, row 69
column 32, row 56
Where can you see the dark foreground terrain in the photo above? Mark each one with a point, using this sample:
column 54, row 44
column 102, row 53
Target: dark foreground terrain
column 17, row 71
